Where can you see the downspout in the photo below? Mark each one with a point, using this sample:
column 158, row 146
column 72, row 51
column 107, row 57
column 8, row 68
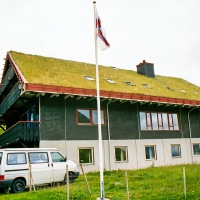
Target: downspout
column 190, row 133
column 108, row 122
column 138, row 119
column 39, row 121
column 65, row 130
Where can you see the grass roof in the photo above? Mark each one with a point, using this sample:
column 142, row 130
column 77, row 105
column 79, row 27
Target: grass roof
column 57, row 72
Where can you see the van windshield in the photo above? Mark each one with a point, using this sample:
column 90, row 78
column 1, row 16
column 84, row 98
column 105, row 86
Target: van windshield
column 1, row 154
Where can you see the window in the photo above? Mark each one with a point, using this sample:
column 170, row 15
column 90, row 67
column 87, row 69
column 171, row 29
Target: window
column 196, row 149
column 57, row 157
column 16, row 158
column 121, row 154
column 1, row 154
column 89, row 116
column 176, row 150
column 89, row 78
column 110, row 81
column 158, row 121
column 38, row 157
column 150, row 152
column 86, row 155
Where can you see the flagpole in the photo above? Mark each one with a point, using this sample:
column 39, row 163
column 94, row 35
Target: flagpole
column 98, row 110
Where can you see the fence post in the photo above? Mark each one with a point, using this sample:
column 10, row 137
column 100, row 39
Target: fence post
column 30, row 174
column 67, row 181
column 31, row 178
column 127, row 189
column 85, row 179
column 184, row 182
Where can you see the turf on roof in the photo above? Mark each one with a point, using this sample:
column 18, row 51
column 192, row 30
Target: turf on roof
column 58, row 72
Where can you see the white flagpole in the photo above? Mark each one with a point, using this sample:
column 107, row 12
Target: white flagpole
column 98, row 110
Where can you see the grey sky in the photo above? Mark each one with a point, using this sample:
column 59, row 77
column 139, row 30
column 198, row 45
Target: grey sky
column 164, row 32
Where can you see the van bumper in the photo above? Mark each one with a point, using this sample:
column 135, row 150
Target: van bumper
column 74, row 175
column 5, row 184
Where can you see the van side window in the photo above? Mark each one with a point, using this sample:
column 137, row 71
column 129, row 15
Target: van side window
column 1, row 154
column 16, row 158
column 38, row 157
column 57, row 157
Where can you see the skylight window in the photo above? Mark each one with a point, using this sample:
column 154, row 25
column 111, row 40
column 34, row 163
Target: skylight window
column 110, row 81
column 129, row 83
column 89, row 78
column 146, row 85
column 113, row 67
column 171, row 89
column 182, row 90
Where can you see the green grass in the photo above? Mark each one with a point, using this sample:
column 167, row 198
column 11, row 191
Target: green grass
column 151, row 183
column 57, row 72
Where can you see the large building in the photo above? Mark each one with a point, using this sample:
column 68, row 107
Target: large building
column 147, row 119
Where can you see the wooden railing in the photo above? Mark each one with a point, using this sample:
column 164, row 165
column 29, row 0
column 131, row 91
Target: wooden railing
column 25, row 131
column 11, row 98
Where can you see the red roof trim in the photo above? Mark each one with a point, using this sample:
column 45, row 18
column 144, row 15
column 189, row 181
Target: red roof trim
column 107, row 94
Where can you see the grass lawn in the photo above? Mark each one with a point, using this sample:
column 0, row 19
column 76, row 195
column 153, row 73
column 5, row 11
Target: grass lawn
column 151, row 183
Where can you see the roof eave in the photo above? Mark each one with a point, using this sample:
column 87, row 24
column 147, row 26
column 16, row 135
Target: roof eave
column 39, row 88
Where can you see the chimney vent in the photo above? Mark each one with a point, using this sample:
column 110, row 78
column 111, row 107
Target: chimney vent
column 146, row 69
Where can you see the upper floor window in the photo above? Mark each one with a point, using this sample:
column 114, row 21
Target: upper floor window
column 158, row 121
column 89, row 116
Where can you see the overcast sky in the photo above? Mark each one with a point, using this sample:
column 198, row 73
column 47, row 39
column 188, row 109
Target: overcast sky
column 163, row 32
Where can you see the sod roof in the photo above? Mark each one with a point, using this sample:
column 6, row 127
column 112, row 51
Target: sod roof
column 57, row 72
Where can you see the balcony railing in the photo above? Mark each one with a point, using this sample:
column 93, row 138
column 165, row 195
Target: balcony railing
column 9, row 75
column 10, row 99
column 25, row 131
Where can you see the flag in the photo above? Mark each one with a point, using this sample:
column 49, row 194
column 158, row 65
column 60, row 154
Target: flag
column 102, row 43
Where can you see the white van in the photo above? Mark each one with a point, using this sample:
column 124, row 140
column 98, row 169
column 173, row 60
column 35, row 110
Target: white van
column 43, row 165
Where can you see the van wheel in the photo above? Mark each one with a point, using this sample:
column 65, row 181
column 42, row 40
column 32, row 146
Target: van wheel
column 71, row 178
column 18, row 186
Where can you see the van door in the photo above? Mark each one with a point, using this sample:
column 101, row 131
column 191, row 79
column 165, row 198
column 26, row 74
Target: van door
column 16, row 165
column 58, row 166
column 41, row 169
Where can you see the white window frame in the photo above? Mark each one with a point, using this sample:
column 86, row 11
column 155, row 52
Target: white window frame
column 179, row 150
column 193, row 149
column 126, row 154
column 92, row 155
column 154, row 151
